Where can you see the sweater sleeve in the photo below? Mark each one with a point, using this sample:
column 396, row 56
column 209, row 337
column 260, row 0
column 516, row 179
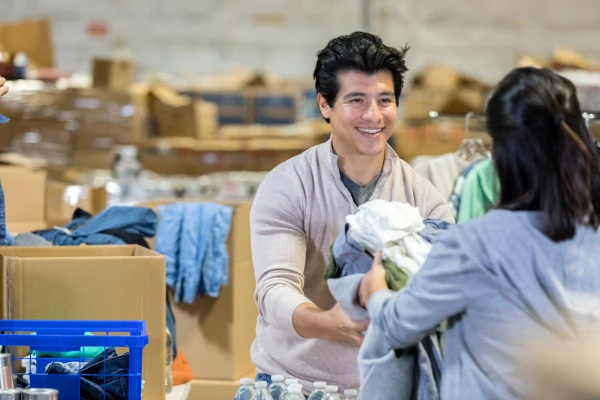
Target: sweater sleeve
column 278, row 244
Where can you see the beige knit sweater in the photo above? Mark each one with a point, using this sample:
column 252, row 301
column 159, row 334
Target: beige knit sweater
column 298, row 211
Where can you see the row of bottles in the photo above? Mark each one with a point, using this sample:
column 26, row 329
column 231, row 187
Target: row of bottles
column 289, row 389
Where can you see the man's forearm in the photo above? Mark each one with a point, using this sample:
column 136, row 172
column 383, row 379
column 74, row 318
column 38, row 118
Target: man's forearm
column 309, row 321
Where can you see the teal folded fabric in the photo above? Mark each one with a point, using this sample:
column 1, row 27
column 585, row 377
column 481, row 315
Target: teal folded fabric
column 85, row 352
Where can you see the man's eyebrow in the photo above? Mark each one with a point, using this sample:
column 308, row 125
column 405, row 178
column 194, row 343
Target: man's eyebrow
column 386, row 94
column 354, row 94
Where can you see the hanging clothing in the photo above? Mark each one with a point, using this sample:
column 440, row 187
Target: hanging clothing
column 442, row 171
column 412, row 373
column 193, row 237
column 455, row 197
column 480, row 191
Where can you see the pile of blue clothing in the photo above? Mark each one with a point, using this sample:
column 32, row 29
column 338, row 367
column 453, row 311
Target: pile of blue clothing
column 193, row 237
column 104, row 377
column 115, row 225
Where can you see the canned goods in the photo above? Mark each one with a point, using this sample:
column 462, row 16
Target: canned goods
column 39, row 394
column 10, row 394
column 6, row 375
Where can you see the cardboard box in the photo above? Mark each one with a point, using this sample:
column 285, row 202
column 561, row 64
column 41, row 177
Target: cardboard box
column 91, row 283
column 216, row 334
column 438, row 76
column 25, row 197
column 443, row 90
column 64, row 198
column 276, row 107
column 92, row 159
column 112, row 74
column 197, row 119
column 207, row 389
column 419, row 102
column 234, row 107
column 432, row 139
column 5, row 136
column 181, row 116
column 33, row 37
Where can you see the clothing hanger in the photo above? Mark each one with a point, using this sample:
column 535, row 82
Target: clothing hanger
column 472, row 149
column 592, row 119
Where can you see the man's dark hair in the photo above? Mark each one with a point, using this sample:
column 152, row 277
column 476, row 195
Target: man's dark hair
column 359, row 51
column 544, row 154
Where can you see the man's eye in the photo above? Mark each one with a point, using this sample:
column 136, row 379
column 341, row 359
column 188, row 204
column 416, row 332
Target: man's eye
column 355, row 100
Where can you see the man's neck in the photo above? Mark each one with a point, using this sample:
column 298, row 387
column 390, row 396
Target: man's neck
column 359, row 168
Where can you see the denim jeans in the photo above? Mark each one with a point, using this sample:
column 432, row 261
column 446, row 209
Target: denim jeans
column 3, row 233
column 104, row 377
column 266, row 378
column 193, row 237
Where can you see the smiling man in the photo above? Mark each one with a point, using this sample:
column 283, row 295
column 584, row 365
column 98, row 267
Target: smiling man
column 302, row 204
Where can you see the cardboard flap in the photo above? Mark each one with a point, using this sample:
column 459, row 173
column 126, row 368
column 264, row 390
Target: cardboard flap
column 168, row 97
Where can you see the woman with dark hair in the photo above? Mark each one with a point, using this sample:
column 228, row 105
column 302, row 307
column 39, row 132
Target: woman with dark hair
column 524, row 272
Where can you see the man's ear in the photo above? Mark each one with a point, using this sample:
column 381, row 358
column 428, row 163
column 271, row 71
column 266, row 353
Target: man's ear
column 323, row 106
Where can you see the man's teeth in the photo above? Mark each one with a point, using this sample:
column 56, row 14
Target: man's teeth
column 369, row 130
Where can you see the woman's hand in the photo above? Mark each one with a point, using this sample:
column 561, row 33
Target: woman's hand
column 373, row 281
column 3, row 89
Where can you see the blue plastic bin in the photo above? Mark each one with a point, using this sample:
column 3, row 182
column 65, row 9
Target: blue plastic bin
column 69, row 336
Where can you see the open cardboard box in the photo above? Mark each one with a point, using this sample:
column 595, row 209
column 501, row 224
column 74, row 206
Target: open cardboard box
column 215, row 334
column 91, row 283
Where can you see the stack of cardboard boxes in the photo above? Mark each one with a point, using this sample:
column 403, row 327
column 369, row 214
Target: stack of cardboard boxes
column 245, row 97
column 73, row 127
column 33, row 202
column 434, row 109
column 442, row 90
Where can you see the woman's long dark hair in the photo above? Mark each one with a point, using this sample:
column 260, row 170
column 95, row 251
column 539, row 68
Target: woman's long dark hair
column 544, row 154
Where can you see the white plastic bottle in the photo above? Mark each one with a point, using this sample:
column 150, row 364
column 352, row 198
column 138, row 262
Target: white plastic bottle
column 169, row 363
column 319, row 391
column 332, row 393
column 350, row 394
column 261, row 392
column 288, row 384
column 246, row 391
column 277, row 388
column 295, row 393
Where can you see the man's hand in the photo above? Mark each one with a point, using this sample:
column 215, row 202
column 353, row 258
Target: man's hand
column 3, row 89
column 312, row 322
column 343, row 329
column 373, row 281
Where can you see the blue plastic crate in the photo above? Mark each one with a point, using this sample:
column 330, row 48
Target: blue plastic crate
column 70, row 336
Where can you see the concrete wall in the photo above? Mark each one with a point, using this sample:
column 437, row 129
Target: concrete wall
column 195, row 37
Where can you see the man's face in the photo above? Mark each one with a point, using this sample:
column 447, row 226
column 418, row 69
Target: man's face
column 363, row 116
